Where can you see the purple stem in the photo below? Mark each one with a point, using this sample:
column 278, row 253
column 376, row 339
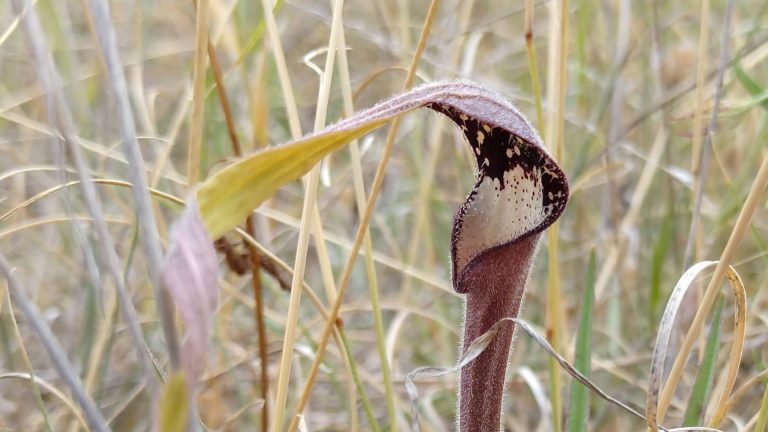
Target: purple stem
column 494, row 282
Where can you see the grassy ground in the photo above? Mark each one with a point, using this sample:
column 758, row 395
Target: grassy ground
column 658, row 123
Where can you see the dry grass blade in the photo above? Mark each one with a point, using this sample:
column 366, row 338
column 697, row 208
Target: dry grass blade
column 557, row 84
column 660, row 353
column 737, row 348
column 38, row 381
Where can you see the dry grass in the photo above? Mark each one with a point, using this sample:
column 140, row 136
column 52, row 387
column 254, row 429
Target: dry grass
column 622, row 98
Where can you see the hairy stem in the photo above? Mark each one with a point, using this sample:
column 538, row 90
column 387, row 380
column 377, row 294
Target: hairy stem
column 495, row 285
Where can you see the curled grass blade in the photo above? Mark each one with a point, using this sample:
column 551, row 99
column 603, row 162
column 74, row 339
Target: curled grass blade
column 654, row 405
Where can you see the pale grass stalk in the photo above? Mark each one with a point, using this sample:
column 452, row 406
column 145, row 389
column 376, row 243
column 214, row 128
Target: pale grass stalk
column 105, row 34
column 32, row 378
column 552, row 56
column 289, row 339
column 370, row 269
column 198, row 94
column 693, row 247
column 533, row 63
column 366, row 216
column 754, row 199
column 309, row 211
column 556, row 92
column 61, row 117
column 102, row 339
column 346, row 356
column 56, row 353
column 315, row 300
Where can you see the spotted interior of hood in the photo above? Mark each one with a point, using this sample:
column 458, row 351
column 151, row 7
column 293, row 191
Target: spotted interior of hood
column 519, row 191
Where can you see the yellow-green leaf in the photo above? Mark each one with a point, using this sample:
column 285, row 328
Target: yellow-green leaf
column 232, row 193
column 174, row 411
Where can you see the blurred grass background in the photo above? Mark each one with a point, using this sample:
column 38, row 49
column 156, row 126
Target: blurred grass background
column 630, row 78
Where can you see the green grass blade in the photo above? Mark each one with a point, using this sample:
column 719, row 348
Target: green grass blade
column 703, row 385
column 762, row 418
column 750, row 85
column 658, row 258
column 374, row 425
column 579, row 412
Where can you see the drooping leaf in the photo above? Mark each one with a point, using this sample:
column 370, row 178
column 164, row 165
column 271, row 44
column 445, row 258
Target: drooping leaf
column 232, row 193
